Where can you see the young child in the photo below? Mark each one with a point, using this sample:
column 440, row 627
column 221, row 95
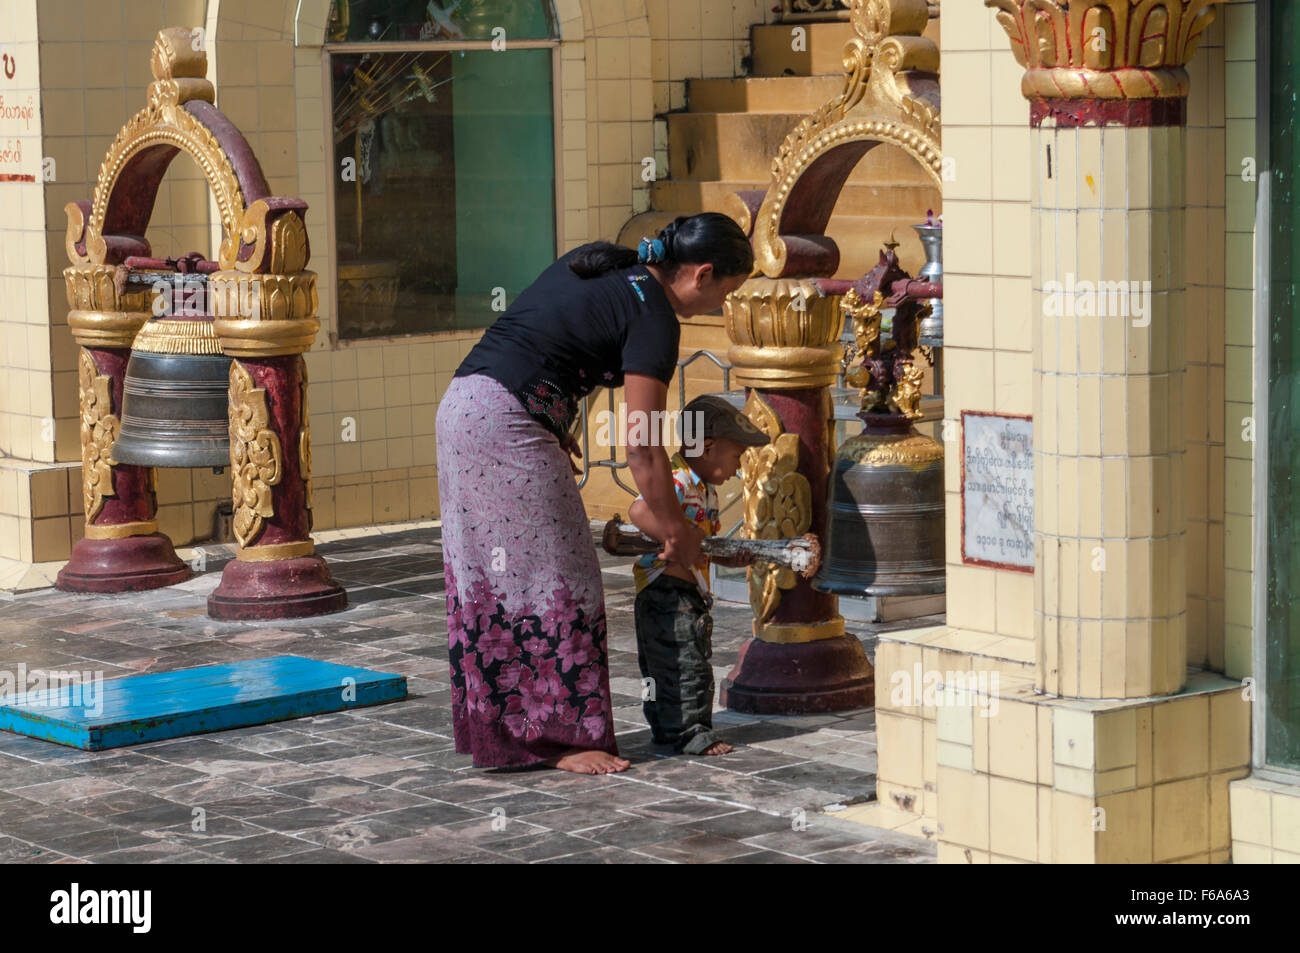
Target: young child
column 674, row 645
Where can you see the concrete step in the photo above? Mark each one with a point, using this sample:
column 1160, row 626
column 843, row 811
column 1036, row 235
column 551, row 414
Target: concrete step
column 752, row 139
column 886, row 199
column 775, row 94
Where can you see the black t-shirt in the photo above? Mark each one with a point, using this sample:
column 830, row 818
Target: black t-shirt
column 564, row 336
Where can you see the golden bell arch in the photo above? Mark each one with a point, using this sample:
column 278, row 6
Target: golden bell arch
column 263, row 316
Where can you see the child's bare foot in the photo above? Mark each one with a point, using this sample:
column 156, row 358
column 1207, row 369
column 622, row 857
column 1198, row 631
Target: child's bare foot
column 718, row 747
column 585, row 761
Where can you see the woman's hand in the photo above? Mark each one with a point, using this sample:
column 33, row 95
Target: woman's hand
column 570, row 444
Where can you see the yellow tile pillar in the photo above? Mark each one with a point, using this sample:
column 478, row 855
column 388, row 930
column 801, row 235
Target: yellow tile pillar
column 1107, row 90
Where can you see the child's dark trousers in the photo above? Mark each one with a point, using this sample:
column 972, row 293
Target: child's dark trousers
column 677, row 686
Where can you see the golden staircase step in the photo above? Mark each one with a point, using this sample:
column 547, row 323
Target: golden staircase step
column 779, row 49
column 756, row 94
column 696, row 140
column 882, row 199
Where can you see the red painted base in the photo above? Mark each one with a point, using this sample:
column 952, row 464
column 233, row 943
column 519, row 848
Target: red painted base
column 801, row 678
column 276, row 589
column 122, row 565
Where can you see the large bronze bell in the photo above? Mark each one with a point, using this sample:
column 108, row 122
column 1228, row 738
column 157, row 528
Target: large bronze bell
column 175, row 396
column 885, row 513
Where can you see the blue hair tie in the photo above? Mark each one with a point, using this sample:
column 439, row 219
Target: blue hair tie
column 650, row 251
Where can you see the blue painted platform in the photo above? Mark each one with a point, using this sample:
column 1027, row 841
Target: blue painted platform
column 139, row 708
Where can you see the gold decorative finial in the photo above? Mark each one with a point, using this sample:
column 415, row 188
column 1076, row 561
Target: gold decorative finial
column 179, row 64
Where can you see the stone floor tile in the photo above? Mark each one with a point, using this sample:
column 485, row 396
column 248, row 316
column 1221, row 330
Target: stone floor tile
column 384, row 784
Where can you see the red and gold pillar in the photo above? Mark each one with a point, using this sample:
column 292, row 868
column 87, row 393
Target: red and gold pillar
column 785, row 351
column 276, row 573
column 122, row 549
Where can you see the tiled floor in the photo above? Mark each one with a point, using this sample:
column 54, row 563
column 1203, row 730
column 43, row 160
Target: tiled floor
column 384, row 784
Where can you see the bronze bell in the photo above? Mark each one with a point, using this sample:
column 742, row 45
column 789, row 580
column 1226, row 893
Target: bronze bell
column 885, row 519
column 175, row 396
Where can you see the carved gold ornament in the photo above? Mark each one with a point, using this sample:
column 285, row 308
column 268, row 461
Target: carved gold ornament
column 271, row 314
column 256, row 459
column 1104, row 49
column 179, row 71
column 265, row 315
column 287, row 237
column 99, row 426
column 99, row 315
column 877, row 104
column 778, row 503
column 864, row 317
column 911, row 450
column 784, row 334
column 304, row 435
column 905, row 395
column 177, row 337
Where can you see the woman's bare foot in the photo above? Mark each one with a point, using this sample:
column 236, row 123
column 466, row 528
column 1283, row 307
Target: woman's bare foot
column 585, row 761
column 718, row 747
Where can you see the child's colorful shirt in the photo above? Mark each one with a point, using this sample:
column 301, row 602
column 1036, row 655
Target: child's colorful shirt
column 700, row 504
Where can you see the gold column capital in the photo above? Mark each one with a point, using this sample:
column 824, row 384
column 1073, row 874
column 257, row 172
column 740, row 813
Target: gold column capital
column 1106, row 51
column 264, row 315
column 785, row 334
column 101, row 315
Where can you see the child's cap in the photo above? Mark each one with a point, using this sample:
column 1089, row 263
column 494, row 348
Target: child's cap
column 717, row 418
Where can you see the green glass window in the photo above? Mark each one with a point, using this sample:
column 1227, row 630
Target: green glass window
column 420, row 21
column 1282, row 638
column 444, row 173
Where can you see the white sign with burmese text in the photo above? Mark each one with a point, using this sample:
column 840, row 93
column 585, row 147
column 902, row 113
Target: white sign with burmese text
column 997, row 489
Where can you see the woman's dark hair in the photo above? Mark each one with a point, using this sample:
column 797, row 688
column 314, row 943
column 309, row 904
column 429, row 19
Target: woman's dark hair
column 708, row 238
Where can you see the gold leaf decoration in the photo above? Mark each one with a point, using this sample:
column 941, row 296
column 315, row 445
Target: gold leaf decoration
column 99, row 426
column 1132, row 50
column 257, row 461
column 178, row 70
column 914, row 450
column 778, row 502
column 288, row 244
